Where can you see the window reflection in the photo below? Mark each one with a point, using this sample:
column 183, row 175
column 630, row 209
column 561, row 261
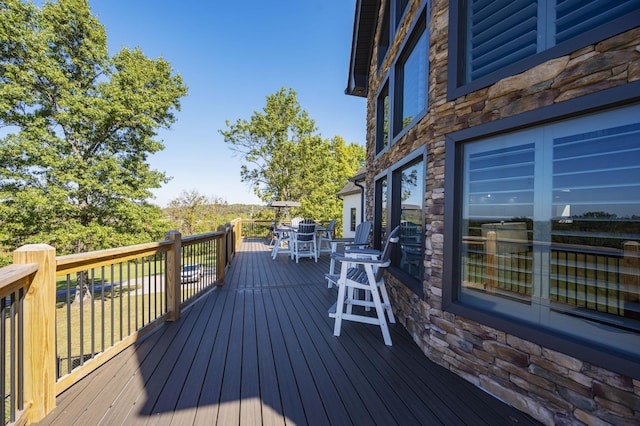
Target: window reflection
column 412, row 81
column 551, row 226
column 411, row 218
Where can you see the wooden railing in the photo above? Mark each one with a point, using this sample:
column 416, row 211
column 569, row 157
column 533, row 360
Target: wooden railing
column 65, row 316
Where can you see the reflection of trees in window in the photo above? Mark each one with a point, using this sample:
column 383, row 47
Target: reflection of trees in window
column 382, row 119
column 380, row 214
column 409, row 182
column 410, row 206
column 600, row 229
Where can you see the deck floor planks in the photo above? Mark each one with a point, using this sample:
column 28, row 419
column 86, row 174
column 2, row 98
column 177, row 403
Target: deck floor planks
column 291, row 401
column 309, row 396
column 210, row 398
column 192, row 389
column 261, row 350
column 375, row 375
column 350, row 381
column 269, row 387
column 250, row 409
column 228, row 413
column 346, row 398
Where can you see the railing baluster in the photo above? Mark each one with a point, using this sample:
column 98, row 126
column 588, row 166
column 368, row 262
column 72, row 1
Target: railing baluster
column 13, row 358
column 69, row 336
column 3, row 370
column 102, row 319
column 93, row 312
column 20, row 360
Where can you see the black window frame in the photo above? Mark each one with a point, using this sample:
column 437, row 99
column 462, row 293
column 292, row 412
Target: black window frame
column 399, row 11
column 392, row 85
column 393, row 214
column 599, row 101
column 396, row 128
column 383, row 117
column 386, row 35
column 353, row 217
column 456, row 86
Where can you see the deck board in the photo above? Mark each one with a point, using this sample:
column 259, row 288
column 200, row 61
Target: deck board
column 261, row 350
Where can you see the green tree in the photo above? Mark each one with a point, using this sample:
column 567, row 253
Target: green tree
column 285, row 158
column 194, row 213
column 78, row 128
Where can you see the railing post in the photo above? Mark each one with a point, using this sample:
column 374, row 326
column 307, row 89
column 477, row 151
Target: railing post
column 230, row 244
column 39, row 331
column 490, row 250
column 631, row 278
column 172, row 287
column 221, row 250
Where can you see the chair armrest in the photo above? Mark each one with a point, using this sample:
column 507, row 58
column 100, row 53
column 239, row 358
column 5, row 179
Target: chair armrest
column 363, row 251
column 360, row 261
column 342, row 240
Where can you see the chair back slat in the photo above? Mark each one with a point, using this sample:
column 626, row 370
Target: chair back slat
column 331, row 227
column 362, row 233
column 306, row 230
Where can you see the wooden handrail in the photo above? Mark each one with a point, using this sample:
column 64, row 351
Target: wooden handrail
column 14, row 277
column 82, row 261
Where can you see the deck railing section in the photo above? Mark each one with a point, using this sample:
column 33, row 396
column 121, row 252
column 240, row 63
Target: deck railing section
column 63, row 317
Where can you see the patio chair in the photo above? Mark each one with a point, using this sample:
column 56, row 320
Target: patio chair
column 326, row 237
column 360, row 240
column 304, row 240
column 361, row 237
column 362, row 269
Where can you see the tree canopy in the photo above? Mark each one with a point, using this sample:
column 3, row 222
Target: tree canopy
column 76, row 129
column 194, row 213
column 285, row 158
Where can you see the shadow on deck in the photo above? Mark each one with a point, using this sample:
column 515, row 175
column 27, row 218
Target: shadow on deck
column 261, row 350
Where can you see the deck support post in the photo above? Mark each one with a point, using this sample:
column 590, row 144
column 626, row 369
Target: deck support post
column 39, row 310
column 221, row 251
column 172, row 286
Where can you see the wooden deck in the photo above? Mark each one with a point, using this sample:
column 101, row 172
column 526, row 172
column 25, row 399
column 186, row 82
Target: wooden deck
column 261, row 350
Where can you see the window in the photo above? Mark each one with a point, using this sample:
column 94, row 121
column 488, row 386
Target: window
column 382, row 119
column 408, row 206
column 412, row 71
column 400, row 8
column 380, row 222
column 397, row 7
column 402, row 100
column 385, row 36
column 399, row 200
column 549, row 228
column 353, row 217
column 501, row 38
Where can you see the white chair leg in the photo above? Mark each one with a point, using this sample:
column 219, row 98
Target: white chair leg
column 339, row 305
column 382, row 320
column 387, row 303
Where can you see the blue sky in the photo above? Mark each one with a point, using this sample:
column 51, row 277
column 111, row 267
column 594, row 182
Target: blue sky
column 231, row 55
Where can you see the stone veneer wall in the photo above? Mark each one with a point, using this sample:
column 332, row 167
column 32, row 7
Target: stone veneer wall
column 552, row 387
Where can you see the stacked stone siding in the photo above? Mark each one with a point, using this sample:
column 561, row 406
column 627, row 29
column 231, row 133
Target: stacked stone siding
column 550, row 386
